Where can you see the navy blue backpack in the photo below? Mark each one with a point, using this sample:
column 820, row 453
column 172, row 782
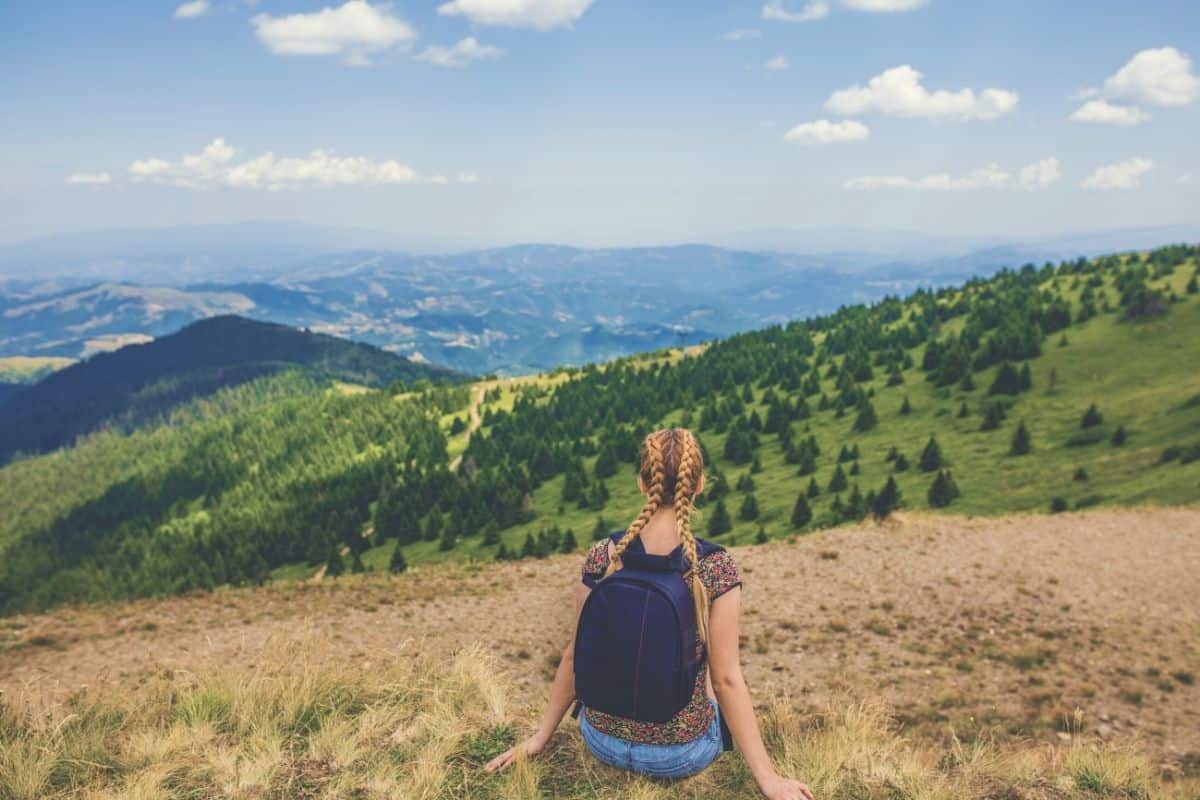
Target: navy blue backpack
column 635, row 646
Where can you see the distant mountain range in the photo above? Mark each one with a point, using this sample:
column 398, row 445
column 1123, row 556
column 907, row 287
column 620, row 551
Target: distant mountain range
column 509, row 310
column 142, row 382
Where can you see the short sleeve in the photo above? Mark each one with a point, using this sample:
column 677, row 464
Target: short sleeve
column 595, row 563
column 719, row 572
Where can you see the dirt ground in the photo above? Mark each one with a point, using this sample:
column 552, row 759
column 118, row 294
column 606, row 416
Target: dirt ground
column 1042, row 626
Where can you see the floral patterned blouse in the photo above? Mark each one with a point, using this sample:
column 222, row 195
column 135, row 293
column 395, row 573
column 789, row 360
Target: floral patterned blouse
column 719, row 574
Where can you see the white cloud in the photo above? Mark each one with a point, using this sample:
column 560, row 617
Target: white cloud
column 216, row 166
column 898, row 91
column 461, row 54
column 813, row 10
column 823, row 131
column 1160, row 77
column 355, row 29
column 83, row 178
column 884, row 5
column 1107, row 113
column 194, row 8
column 538, row 14
column 467, row 177
column 1040, row 173
column 777, row 63
column 1122, row 175
column 741, row 34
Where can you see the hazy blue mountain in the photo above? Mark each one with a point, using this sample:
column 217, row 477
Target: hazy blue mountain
column 141, row 382
column 510, row 309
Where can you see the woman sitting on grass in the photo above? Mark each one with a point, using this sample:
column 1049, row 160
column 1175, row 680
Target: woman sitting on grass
column 657, row 612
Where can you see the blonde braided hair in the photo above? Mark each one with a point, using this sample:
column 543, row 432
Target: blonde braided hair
column 671, row 467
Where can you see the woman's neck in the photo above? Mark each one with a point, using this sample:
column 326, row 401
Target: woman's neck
column 660, row 537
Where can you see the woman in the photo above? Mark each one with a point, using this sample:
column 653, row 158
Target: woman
column 660, row 539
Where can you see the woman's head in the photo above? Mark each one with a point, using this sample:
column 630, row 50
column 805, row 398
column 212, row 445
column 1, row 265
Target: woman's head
column 671, row 474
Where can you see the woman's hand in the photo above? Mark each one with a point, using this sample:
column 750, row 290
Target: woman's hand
column 530, row 747
column 777, row 788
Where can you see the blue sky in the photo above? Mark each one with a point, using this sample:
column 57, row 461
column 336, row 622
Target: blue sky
column 603, row 122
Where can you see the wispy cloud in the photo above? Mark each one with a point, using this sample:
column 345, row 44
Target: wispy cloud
column 216, row 166
column 1106, row 113
column 93, row 178
column 823, row 131
column 898, row 91
column 189, row 10
column 741, row 34
column 1122, row 175
column 459, row 55
column 811, row 11
column 777, row 63
column 885, row 6
column 355, row 30
column 536, row 14
column 1037, row 175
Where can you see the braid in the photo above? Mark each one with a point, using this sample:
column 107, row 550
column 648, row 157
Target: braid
column 685, row 484
column 652, row 463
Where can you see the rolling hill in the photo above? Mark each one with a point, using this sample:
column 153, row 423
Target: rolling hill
column 1038, row 389
column 143, row 382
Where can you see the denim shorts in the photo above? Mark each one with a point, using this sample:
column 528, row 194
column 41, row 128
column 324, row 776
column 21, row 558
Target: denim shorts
column 655, row 760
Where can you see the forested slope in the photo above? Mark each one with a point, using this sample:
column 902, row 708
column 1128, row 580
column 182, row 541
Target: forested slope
column 1042, row 388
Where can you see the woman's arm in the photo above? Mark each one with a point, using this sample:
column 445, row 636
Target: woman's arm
column 562, row 692
column 725, row 667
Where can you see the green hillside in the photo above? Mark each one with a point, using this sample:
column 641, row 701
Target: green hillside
column 141, row 383
column 838, row 410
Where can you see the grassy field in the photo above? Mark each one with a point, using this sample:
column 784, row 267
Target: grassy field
column 292, row 728
column 1132, row 371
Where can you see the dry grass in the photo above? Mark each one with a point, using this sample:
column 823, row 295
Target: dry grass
column 300, row 723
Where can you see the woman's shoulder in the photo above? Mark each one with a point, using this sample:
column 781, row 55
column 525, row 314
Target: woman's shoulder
column 595, row 561
column 719, row 572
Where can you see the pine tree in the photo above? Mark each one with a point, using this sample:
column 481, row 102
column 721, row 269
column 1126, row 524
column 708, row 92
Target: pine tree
column 529, row 547
column 745, row 483
column 905, row 407
column 334, row 565
column 761, row 536
column 1119, row 436
column 433, row 526
column 719, row 522
column 838, row 482
column 756, row 465
column 888, row 499
column 1091, row 418
column 600, row 529
column 813, row 489
column 1007, row 381
column 963, row 411
column 1026, row 378
column 397, row 563
column 491, row 534
column 801, row 512
column 502, row 553
column 1193, row 286
column 992, row 417
column 569, row 544
column 749, row 509
column 943, row 491
column 447, row 541
column 356, row 564
column 1021, row 444
column 606, row 462
column 967, row 384
column 854, row 468
column 901, row 463
column 866, row 419
column 892, row 454
column 931, row 456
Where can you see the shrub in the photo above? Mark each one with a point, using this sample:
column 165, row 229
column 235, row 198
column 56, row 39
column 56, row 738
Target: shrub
column 1058, row 505
column 1021, row 441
